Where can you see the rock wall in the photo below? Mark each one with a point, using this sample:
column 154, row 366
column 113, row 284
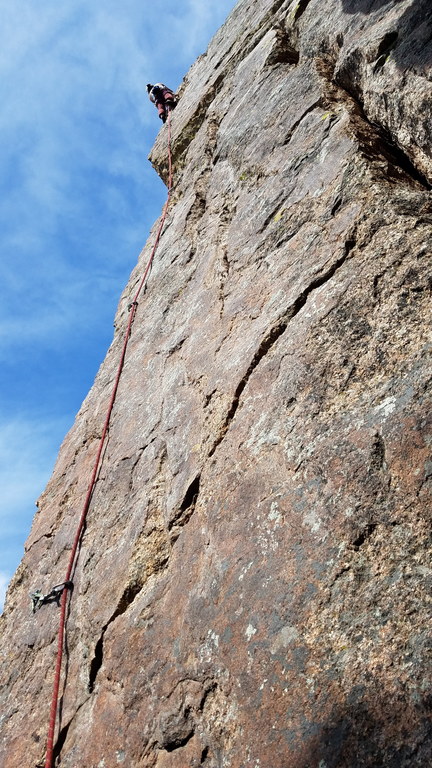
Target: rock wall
column 251, row 584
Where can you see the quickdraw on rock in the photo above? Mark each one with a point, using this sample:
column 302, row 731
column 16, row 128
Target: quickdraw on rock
column 39, row 599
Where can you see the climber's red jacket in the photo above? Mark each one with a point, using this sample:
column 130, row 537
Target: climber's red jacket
column 163, row 97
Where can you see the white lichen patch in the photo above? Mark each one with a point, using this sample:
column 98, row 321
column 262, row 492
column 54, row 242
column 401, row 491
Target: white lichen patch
column 275, row 515
column 245, row 570
column 268, row 537
column 287, row 635
column 250, row 631
column 208, row 648
column 313, row 521
column 384, row 409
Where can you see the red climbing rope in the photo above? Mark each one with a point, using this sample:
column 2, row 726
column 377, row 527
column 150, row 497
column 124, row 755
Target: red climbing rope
column 49, row 761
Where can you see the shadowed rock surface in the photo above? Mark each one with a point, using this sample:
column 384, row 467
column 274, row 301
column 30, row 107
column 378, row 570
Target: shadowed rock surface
column 252, row 586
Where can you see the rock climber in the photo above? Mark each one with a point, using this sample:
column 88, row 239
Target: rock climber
column 163, row 97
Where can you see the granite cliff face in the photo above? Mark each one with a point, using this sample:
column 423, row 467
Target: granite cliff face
column 251, row 584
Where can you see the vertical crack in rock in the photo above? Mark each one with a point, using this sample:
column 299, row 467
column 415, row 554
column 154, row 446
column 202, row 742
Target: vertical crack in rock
column 135, row 464
column 283, row 51
column 187, row 507
column 223, row 266
column 299, row 9
column 96, row 661
column 377, row 461
column 275, row 333
column 386, row 46
column 125, row 601
column 61, row 739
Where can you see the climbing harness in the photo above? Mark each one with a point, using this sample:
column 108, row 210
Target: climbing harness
column 64, row 589
column 39, row 599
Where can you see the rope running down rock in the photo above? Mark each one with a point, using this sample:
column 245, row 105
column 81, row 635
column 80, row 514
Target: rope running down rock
column 49, row 761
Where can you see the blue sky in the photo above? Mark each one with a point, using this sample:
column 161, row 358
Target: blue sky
column 77, row 199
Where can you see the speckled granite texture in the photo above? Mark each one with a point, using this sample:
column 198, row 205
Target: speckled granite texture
column 251, row 590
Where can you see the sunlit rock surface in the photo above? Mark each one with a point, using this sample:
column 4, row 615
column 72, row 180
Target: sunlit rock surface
column 251, row 586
